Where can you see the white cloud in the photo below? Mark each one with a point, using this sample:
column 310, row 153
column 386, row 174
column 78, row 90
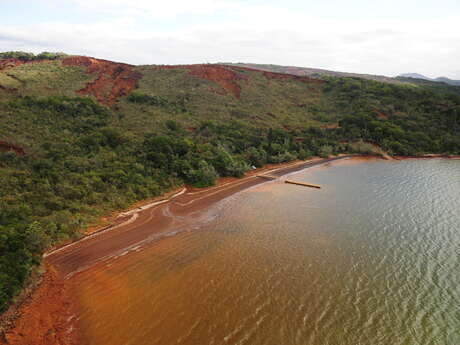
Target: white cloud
column 244, row 31
column 155, row 9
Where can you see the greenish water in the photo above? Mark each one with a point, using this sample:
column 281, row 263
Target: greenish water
column 372, row 258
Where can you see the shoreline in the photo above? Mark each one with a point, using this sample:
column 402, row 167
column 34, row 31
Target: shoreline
column 51, row 297
column 427, row 156
column 117, row 218
column 154, row 219
column 33, row 299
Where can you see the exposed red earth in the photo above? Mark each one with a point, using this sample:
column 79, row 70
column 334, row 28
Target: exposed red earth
column 221, row 75
column 47, row 317
column 381, row 115
column 9, row 63
column 228, row 77
column 113, row 79
column 5, row 146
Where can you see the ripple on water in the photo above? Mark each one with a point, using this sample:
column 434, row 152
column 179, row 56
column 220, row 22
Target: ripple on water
column 372, row 258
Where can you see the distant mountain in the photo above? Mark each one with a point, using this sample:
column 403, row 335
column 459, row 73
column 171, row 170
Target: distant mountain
column 437, row 80
column 406, row 78
column 415, row 76
column 448, row 81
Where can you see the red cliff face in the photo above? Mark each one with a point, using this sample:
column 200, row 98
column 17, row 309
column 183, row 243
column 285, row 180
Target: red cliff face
column 227, row 77
column 4, row 146
column 9, row 63
column 113, row 79
column 221, row 75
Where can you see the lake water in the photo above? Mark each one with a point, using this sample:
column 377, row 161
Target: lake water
column 371, row 258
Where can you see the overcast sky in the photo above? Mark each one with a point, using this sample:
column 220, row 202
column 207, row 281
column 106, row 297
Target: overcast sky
column 364, row 36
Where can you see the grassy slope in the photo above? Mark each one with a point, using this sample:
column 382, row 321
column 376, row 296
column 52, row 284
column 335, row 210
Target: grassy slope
column 432, row 85
column 41, row 79
column 264, row 102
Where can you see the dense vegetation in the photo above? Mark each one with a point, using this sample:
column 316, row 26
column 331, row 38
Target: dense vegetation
column 25, row 56
column 83, row 159
column 402, row 120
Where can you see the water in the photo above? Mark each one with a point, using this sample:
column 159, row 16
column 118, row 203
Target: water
column 372, row 258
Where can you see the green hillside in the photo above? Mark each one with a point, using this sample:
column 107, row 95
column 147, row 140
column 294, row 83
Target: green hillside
column 80, row 137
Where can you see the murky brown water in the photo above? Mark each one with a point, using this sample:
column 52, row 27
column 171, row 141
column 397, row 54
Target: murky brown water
column 372, row 258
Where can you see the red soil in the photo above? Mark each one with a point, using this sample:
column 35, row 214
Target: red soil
column 221, row 75
column 10, row 63
column 6, row 64
column 47, row 318
column 381, row 115
column 113, row 80
column 4, row 146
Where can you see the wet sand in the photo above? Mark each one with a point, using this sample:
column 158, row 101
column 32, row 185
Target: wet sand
column 49, row 316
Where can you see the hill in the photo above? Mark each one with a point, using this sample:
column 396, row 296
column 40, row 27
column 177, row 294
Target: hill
column 314, row 72
column 436, row 85
column 81, row 137
column 414, row 76
column 436, row 80
column 448, row 81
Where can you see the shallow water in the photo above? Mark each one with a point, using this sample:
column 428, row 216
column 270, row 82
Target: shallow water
column 372, row 258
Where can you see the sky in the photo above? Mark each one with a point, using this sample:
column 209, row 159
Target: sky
column 362, row 36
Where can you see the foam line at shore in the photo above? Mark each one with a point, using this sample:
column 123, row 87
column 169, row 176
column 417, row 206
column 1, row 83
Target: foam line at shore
column 145, row 221
column 134, row 215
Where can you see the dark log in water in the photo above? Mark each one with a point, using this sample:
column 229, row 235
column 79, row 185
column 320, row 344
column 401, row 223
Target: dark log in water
column 303, row 184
